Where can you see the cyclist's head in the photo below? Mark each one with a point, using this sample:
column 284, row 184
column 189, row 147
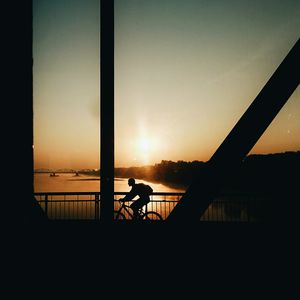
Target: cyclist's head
column 131, row 181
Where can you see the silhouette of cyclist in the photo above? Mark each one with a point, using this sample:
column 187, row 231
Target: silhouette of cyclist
column 137, row 189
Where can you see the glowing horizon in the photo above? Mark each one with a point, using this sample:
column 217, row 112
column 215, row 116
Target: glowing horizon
column 185, row 72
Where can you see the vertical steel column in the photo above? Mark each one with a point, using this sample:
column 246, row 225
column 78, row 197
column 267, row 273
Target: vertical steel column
column 107, row 110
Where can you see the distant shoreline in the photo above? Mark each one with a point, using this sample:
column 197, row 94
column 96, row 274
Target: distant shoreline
column 258, row 172
column 166, row 183
column 120, row 178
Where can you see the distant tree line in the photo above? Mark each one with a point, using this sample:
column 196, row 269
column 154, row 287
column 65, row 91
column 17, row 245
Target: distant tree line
column 257, row 172
column 178, row 173
column 269, row 172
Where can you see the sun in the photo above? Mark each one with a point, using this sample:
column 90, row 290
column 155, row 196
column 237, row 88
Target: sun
column 146, row 149
column 144, row 145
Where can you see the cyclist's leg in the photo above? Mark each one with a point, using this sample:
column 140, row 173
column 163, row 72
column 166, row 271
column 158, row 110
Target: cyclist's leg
column 145, row 200
column 138, row 204
column 135, row 206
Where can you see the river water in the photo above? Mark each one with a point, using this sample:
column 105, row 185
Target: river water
column 68, row 182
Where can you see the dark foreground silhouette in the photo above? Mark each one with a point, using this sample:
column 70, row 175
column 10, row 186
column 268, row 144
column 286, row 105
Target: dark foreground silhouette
column 37, row 213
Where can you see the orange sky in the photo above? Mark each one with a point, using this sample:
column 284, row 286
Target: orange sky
column 185, row 71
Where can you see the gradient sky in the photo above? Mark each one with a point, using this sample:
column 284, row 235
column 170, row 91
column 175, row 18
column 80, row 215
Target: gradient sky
column 185, row 71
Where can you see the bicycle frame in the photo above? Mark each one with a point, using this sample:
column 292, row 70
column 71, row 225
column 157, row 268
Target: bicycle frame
column 130, row 213
column 125, row 208
column 142, row 214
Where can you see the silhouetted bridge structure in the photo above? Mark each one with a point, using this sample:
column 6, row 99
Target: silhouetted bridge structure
column 86, row 206
column 221, row 168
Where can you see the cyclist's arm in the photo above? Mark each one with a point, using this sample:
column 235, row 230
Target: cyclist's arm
column 129, row 196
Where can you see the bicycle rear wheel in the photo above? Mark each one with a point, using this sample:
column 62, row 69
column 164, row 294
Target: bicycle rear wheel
column 153, row 216
column 119, row 216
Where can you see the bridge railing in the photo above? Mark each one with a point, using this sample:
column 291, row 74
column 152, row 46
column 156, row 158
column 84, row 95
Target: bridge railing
column 86, row 206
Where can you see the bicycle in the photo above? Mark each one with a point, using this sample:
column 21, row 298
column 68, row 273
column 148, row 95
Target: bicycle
column 147, row 215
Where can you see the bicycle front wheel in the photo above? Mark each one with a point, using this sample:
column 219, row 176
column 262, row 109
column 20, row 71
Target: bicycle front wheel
column 119, row 216
column 153, row 216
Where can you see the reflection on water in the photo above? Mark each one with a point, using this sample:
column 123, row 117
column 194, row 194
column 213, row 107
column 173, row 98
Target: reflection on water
column 85, row 206
column 224, row 209
column 228, row 208
column 68, row 182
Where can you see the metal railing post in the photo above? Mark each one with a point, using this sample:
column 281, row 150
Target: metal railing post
column 46, row 205
column 97, row 207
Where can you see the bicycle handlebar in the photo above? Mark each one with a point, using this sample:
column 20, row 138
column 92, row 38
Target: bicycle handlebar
column 123, row 202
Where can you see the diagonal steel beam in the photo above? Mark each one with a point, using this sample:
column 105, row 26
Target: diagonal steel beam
column 240, row 140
